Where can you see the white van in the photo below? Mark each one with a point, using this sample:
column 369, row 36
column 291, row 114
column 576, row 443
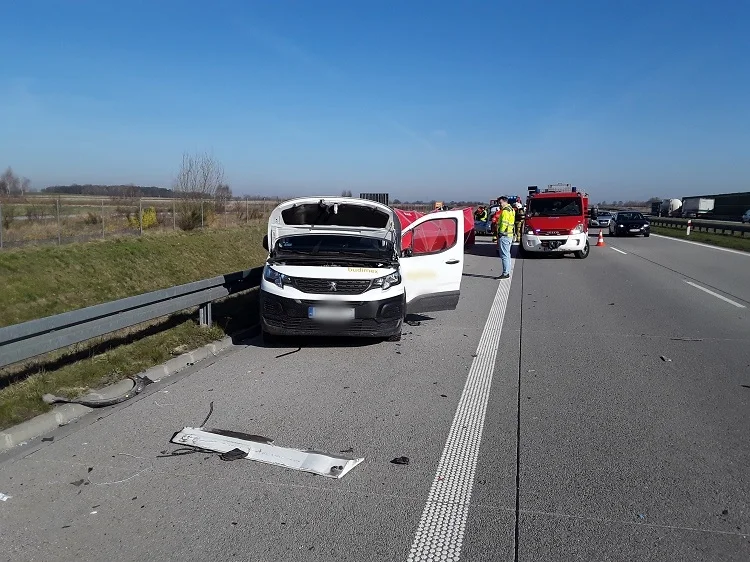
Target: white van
column 336, row 266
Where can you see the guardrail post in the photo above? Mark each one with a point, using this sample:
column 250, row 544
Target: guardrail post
column 140, row 215
column 204, row 315
column 690, row 223
column 247, row 211
column 103, row 231
column 174, row 216
column 201, row 213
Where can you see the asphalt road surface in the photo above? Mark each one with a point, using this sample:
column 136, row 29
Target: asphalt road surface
column 583, row 410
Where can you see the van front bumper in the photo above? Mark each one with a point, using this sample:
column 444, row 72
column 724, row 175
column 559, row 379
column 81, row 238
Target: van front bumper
column 372, row 319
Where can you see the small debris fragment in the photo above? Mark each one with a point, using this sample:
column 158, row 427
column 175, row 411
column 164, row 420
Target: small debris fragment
column 93, row 513
column 234, row 522
column 233, row 455
column 443, row 396
column 611, row 304
column 134, row 498
column 90, row 468
column 400, row 460
column 666, row 359
column 725, row 512
column 288, row 353
column 4, row 498
column 349, row 450
column 78, row 483
column 413, row 322
column 641, row 516
column 47, row 439
column 66, row 526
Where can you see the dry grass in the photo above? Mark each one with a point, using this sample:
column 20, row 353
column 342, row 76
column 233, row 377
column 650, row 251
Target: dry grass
column 737, row 242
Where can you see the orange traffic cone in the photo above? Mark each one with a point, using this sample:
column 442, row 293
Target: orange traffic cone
column 600, row 242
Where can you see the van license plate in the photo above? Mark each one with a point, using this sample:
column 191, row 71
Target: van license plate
column 330, row 313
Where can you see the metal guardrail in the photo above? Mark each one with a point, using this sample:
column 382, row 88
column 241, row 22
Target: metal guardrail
column 702, row 225
column 35, row 337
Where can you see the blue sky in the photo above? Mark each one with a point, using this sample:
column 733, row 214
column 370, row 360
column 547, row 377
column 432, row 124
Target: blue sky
column 424, row 100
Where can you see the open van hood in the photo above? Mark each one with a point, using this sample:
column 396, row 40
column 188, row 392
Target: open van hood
column 336, row 215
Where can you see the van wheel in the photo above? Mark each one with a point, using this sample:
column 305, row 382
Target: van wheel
column 583, row 254
column 395, row 337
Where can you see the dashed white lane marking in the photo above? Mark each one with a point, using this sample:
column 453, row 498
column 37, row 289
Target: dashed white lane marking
column 616, row 250
column 440, row 533
column 738, row 252
column 717, row 295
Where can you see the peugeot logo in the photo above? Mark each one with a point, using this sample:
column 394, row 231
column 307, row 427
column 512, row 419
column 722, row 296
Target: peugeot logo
column 332, row 286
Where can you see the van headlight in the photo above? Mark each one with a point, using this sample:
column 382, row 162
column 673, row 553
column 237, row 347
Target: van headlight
column 577, row 230
column 279, row 279
column 387, row 281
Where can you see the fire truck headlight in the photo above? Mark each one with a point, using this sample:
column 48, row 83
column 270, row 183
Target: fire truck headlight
column 577, row 230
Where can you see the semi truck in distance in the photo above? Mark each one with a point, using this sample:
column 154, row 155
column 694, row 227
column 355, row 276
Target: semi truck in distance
column 693, row 207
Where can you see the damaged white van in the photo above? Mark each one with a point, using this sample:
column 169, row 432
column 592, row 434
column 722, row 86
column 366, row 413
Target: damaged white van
column 343, row 266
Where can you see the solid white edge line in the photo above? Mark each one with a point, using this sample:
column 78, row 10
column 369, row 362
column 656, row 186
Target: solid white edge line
column 717, row 295
column 616, row 250
column 440, row 533
column 738, row 252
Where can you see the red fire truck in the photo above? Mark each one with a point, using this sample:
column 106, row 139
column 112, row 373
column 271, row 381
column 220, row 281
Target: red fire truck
column 556, row 221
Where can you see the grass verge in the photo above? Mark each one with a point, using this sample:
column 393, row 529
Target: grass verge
column 723, row 240
column 41, row 281
column 97, row 363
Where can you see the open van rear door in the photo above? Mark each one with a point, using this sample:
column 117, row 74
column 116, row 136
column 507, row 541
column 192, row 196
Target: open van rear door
column 432, row 261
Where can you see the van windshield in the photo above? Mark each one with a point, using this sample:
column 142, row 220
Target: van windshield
column 555, row 207
column 336, row 245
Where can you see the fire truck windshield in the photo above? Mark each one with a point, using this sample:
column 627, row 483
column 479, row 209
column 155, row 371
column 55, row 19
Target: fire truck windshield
column 554, row 207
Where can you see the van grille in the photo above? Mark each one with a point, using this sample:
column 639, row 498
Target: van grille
column 337, row 286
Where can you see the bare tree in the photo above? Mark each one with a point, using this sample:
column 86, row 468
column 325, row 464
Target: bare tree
column 223, row 196
column 199, row 178
column 9, row 183
column 25, row 185
column 346, row 193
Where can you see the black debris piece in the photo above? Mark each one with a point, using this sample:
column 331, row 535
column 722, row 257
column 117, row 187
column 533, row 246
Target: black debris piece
column 139, row 383
column 90, row 469
column 135, row 498
column 349, row 450
column 400, row 460
column 414, row 322
column 210, row 411
column 725, row 512
column 443, row 396
column 78, row 482
column 47, row 439
column 611, row 304
column 66, row 526
column 233, row 455
column 288, row 353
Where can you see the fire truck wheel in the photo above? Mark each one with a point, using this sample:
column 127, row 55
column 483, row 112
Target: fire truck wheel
column 583, row 254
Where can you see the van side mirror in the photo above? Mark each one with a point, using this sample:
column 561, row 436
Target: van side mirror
column 265, row 241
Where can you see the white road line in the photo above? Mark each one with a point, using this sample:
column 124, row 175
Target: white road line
column 738, row 252
column 616, row 250
column 440, row 533
column 717, row 295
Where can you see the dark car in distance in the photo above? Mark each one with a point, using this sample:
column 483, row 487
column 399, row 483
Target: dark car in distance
column 629, row 223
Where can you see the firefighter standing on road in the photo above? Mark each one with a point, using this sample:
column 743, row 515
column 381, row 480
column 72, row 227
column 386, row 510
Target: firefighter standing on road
column 520, row 216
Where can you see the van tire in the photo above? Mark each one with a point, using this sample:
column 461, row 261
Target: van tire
column 395, row 337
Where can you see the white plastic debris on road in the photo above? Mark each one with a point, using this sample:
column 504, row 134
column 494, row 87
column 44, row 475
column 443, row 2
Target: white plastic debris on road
column 3, row 497
column 263, row 451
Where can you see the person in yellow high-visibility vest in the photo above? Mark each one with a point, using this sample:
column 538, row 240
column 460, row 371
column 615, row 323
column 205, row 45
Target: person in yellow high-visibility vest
column 505, row 227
